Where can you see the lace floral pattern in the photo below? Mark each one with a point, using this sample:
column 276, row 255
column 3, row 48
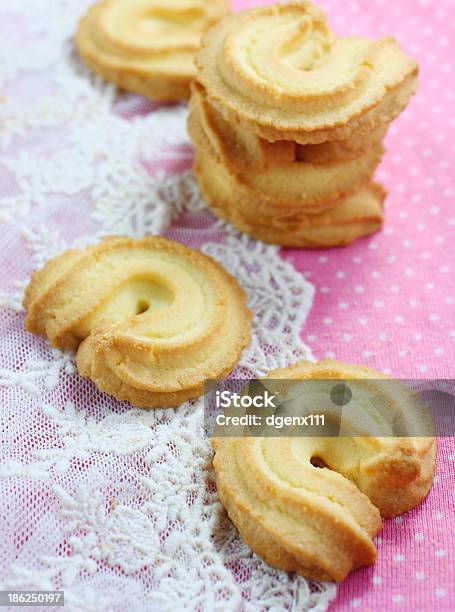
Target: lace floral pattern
column 117, row 506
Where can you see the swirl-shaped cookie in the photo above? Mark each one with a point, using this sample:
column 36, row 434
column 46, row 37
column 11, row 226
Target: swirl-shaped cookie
column 145, row 315
column 266, row 218
column 280, row 70
column 319, row 521
column 147, row 46
column 281, row 170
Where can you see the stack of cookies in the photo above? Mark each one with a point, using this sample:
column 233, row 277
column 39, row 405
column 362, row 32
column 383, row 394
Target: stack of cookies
column 288, row 120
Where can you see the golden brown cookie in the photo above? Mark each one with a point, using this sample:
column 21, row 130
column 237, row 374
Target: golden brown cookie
column 268, row 219
column 279, row 170
column 146, row 317
column 147, row 46
column 320, row 521
column 281, row 71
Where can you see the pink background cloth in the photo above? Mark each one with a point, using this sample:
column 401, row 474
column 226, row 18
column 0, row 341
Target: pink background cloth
column 389, row 301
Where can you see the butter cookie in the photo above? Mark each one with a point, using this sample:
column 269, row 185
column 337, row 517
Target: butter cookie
column 281, row 170
column 147, row 46
column 269, row 219
column 281, row 71
column 145, row 316
column 313, row 504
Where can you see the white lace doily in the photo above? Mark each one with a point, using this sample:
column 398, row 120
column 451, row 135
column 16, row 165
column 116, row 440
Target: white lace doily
column 115, row 505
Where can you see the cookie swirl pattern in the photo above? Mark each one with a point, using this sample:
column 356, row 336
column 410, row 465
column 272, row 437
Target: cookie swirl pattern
column 146, row 317
column 281, row 71
column 318, row 521
column 147, row 46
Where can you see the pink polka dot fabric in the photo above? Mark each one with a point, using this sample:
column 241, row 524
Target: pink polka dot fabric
column 389, row 301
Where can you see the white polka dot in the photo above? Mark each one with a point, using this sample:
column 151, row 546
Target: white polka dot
column 359, row 289
column 397, row 598
column 363, row 320
column 378, row 540
column 330, row 355
column 403, row 214
column 449, row 301
column 429, row 286
column 398, row 520
column 425, row 255
column 434, row 317
column 418, row 337
column 355, row 603
column 347, row 337
column 434, row 210
column 373, row 246
column 395, row 288
column 378, row 304
column 440, row 553
column 376, row 274
column 328, row 321
column 421, row 227
column 383, row 336
column 398, row 319
column 423, row 368
column 440, row 593
column 418, row 537
column 323, row 259
column 409, row 272
column 391, row 259
column 444, row 269
column 420, row 575
column 311, row 338
column 325, row 290
column 439, row 516
column 343, row 305
column 357, row 260
column 406, row 243
column 398, row 558
column 452, row 333
column 413, row 302
column 387, row 371
column 377, row 580
column 341, row 274
column 439, row 351
column 367, row 353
